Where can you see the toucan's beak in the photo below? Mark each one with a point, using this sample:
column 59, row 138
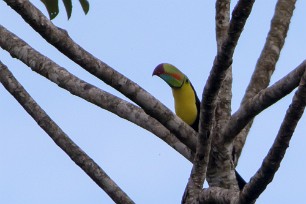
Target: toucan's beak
column 170, row 74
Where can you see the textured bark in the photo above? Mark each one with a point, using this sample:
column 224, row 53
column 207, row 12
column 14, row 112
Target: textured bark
column 277, row 152
column 218, row 195
column 221, row 171
column 222, row 20
column 267, row 61
column 60, row 39
column 92, row 169
column 49, row 69
column 258, row 103
column 261, row 101
column 221, row 64
column 212, row 153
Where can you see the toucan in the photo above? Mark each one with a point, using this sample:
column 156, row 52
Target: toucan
column 186, row 101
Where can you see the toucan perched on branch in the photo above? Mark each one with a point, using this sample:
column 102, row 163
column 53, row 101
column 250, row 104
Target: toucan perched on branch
column 186, row 101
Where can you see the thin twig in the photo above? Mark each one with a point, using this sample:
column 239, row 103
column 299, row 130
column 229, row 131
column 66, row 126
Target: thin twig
column 86, row 163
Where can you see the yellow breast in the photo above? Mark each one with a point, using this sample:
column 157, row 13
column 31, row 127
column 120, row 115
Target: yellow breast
column 185, row 103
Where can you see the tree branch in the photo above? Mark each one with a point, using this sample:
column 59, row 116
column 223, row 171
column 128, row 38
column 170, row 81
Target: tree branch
column 60, row 39
column 218, row 195
column 221, row 64
column 266, row 63
column 87, row 164
column 222, row 20
column 221, row 173
column 277, row 152
column 261, row 101
column 52, row 71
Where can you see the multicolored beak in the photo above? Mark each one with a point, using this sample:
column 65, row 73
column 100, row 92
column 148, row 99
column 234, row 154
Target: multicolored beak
column 170, row 74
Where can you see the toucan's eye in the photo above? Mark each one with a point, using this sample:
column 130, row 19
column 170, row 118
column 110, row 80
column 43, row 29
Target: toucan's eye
column 187, row 81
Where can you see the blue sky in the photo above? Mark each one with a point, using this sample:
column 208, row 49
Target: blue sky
column 133, row 37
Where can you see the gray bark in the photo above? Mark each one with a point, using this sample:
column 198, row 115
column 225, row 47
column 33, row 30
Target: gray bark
column 267, row 61
column 210, row 150
column 60, row 39
column 76, row 154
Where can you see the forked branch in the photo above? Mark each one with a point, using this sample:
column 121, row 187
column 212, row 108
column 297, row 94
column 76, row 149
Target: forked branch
column 218, row 166
column 221, row 64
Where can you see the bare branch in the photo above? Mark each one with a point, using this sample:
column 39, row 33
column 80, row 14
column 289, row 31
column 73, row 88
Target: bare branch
column 218, row 195
column 86, row 163
column 220, row 173
column 269, row 56
column 60, row 39
column 261, row 101
column 221, row 64
column 222, row 20
column 277, row 152
column 52, row 71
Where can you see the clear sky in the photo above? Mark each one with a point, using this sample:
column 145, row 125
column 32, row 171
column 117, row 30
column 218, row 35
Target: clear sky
column 133, row 37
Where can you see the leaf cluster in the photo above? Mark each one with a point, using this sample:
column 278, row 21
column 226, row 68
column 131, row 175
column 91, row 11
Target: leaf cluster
column 53, row 9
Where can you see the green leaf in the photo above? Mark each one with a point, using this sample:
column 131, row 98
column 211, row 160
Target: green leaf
column 85, row 5
column 68, row 7
column 52, row 7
